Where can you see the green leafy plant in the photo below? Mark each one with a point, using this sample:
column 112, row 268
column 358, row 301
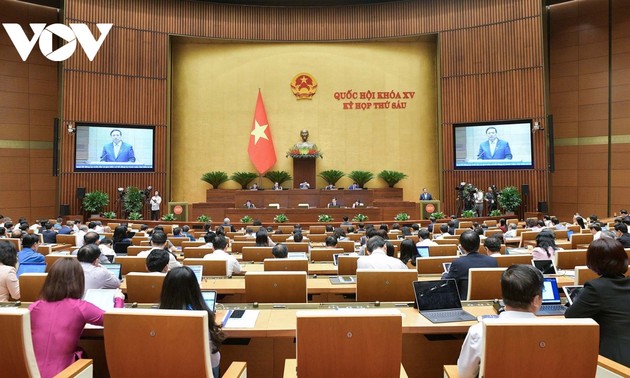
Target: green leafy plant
column 438, row 215
column 247, row 219
column 109, row 215
column 132, row 200
column 468, row 214
column 204, row 218
column 510, row 198
column 392, row 177
column 324, row 218
column 95, row 201
column 495, row 213
column 243, row 178
column 361, row 177
column 168, row 217
column 331, row 176
column 278, row 176
column 134, row 216
column 280, row 218
column 215, row 178
column 360, row 218
column 401, row 217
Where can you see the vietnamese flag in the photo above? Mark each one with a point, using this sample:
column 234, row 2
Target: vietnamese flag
column 260, row 149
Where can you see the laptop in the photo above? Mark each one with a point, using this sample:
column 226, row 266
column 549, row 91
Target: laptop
column 115, row 269
column 198, row 270
column 423, row 251
column 438, row 301
column 551, row 304
column 545, row 266
column 210, row 297
column 30, row 268
column 446, row 266
column 572, row 292
column 569, row 233
column 101, row 298
column 336, row 257
column 296, row 255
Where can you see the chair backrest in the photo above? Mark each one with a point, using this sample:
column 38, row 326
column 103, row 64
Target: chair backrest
column 216, row 268
column 570, row 258
column 484, row 283
column 129, row 331
column 347, row 265
column 316, row 230
column 327, row 344
column 575, row 228
column 52, row 258
column 490, row 222
column 132, row 264
column 459, row 231
column 550, row 345
column 324, row 254
column 297, row 247
column 414, row 238
column 237, row 246
column 275, row 287
column 505, row 261
column 196, row 252
column 347, row 245
column 144, row 287
column 17, row 357
column 354, row 237
column 393, row 285
column 561, row 235
column 443, row 250
column 133, row 250
column 66, row 239
column 581, row 240
column 31, row 285
column 446, row 241
column 136, row 240
column 177, row 242
column 286, row 265
column 432, row 265
column 168, row 228
column 583, row 274
column 258, row 254
column 317, row 238
column 286, row 229
column 196, row 243
column 528, row 238
column 495, row 231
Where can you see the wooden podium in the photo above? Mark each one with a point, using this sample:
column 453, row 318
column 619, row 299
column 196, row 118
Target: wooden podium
column 429, row 207
column 304, row 170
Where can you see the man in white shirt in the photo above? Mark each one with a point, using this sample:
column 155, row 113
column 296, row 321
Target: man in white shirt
column 377, row 256
column 521, row 286
column 78, row 237
column 155, row 202
column 96, row 276
column 219, row 243
column 159, row 241
column 425, row 240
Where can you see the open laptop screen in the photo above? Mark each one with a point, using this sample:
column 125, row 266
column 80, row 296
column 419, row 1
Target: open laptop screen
column 423, row 251
column 550, row 291
column 436, row 295
column 30, row 268
column 210, row 297
column 545, row 266
column 198, row 270
column 115, row 269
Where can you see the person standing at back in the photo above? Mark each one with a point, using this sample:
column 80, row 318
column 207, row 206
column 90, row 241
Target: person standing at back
column 469, row 247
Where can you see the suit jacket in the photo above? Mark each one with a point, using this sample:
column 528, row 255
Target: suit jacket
column 625, row 240
column 502, row 151
column 459, row 269
column 605, row 299
column 426, row 197
column 125, row 154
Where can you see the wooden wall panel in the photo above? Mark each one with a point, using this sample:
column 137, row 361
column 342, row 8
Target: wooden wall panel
column 490, row 56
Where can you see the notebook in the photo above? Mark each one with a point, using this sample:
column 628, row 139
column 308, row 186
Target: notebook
column 551, row 304
column 572, row 292
column 115, row 269
column 438, row 301
column 423, row 251
column 101, row 298
column 30, row 268
column 545, row 266
column 198, row 270
column 210, row 297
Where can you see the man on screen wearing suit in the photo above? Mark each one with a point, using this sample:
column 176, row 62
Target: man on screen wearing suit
column 494, row 148
column 118, row 151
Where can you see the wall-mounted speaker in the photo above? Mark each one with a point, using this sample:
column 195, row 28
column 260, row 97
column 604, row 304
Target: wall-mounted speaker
column 64, row 210
column 552, row 158
column 80, row 193
column 525, row 189
column 55, row 152
column 542, row 207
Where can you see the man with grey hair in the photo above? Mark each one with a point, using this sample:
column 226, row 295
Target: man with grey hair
column 377, row 257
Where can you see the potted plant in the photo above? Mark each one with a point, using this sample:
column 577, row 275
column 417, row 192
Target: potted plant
column 278, row 176
column 204, row 218
column 215, row 178
column 133, row 200
column 280, row 218
column 361, row 177
column 135, row 216
column 247, row 219
column 438, row 215
column 401, row 217
column 510, row 199
column 468, row 214
column 168, row 217
column 391, row 177
column 331, row 176
column 95, row 201
column 243, row 178
column 109, row 215
column 495, row 213
column 324, row 218
column 360, row 218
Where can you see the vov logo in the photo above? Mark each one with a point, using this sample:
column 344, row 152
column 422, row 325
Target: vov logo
column 70, row 33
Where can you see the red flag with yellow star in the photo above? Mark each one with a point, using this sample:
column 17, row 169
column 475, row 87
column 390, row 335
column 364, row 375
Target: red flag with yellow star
column 260, row 149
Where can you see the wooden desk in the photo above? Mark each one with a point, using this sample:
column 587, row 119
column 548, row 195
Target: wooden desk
column 319, row 268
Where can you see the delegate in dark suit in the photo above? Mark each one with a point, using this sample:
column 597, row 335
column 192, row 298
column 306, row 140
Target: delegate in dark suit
column 501, row 151
column 459, row 269
column 124, row 155
column 606, row 300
